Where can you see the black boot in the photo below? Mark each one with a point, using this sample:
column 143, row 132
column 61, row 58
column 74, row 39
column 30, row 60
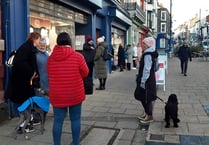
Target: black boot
column 100, row 85
column 103, row 83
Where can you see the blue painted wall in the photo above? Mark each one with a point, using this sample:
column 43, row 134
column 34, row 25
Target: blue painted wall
column 15, row 26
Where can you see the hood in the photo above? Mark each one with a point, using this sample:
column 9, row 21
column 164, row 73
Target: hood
column 151, row 49
column 61, row 53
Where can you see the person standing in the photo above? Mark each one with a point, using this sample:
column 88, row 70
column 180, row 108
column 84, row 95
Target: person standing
column 20, row 86
column 66, row 70
column 121, row 57
column 41, row 83
column 184, row 54
column 129, row 56
column 134, row 56
column 41, row 59
column 23, row 73
column 100, row 63
column 146, row 79
column 139, row 52
column 89, row 54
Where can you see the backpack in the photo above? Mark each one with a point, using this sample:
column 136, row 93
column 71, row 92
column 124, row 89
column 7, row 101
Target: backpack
column 10, row 60
column 106, row 55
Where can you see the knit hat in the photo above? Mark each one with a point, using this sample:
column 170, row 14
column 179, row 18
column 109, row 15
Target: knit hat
column 88, row 38
column 149, row 41
column 100, row 39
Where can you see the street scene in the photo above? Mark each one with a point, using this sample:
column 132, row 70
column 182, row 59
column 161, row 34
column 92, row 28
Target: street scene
column 109, row 117
column 104, row 72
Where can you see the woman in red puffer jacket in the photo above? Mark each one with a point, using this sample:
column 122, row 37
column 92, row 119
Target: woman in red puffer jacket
column 66, row 70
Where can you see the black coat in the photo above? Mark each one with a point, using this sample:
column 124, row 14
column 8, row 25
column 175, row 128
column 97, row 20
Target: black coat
column 184, row 53
column 89, row 55
column 149, row 93
column 21, row 73
column 121, row 56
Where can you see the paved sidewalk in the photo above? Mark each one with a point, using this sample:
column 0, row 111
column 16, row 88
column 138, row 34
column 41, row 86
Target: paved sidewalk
column 193, row 93
column 109, row 116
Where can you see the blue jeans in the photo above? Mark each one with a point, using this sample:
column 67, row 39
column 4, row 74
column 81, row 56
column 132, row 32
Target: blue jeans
column 75, row 118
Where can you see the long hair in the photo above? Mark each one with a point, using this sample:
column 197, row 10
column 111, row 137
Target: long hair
column 33, row 36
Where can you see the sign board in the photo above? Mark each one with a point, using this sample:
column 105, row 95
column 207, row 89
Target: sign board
column 79, row 41
column 164, row 57
column 160, row 74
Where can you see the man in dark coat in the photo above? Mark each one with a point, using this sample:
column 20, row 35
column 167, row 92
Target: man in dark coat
column 184, row 54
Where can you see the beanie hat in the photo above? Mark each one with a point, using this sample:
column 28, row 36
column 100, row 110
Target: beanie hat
column 100, row 39
column 88, row 38
column 149, row 41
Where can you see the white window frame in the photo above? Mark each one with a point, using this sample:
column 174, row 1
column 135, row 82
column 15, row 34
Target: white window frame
column 163, row 28
column 163, row 15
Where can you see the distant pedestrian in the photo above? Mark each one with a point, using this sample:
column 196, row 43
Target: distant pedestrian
column 184, row 54
column 121, row 57
column 134, row 56
column 139, row 52
column 100, row 63
column 89, row 54
column 128, row 53
column 146, row 91
column 66, row 70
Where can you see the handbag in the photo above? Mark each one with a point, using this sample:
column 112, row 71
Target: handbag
column 139, row 93
column 10, row 60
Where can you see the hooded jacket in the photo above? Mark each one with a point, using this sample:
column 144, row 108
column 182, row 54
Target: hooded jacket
column 66, row 70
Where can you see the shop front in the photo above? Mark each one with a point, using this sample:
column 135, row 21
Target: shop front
column 49, row 19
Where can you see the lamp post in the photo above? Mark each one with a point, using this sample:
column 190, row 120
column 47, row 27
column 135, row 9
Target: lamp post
column 170, row 41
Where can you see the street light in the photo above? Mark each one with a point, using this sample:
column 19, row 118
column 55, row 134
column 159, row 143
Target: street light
column 170, row 42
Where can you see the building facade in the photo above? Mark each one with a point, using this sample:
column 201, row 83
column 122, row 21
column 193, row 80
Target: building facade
column 163, row 29
column 50, row 17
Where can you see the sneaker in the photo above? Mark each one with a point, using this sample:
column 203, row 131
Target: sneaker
column 148, row 119
column 19, row 130
column 36, row 122
column 29, row 129
column 142, row 117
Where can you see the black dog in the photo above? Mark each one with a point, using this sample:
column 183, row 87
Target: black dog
column 171, row 111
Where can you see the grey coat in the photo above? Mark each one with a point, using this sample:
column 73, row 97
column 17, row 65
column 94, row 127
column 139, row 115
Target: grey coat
column 100, row 64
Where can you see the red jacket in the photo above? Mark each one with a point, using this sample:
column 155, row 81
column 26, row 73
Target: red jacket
column 66, row 70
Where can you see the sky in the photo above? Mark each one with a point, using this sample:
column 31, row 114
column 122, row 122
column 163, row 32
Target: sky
column 184, row 10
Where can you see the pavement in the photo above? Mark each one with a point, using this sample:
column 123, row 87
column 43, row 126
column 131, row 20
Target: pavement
column 109, row 117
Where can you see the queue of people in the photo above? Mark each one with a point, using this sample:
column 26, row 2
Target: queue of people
column 66, row 77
